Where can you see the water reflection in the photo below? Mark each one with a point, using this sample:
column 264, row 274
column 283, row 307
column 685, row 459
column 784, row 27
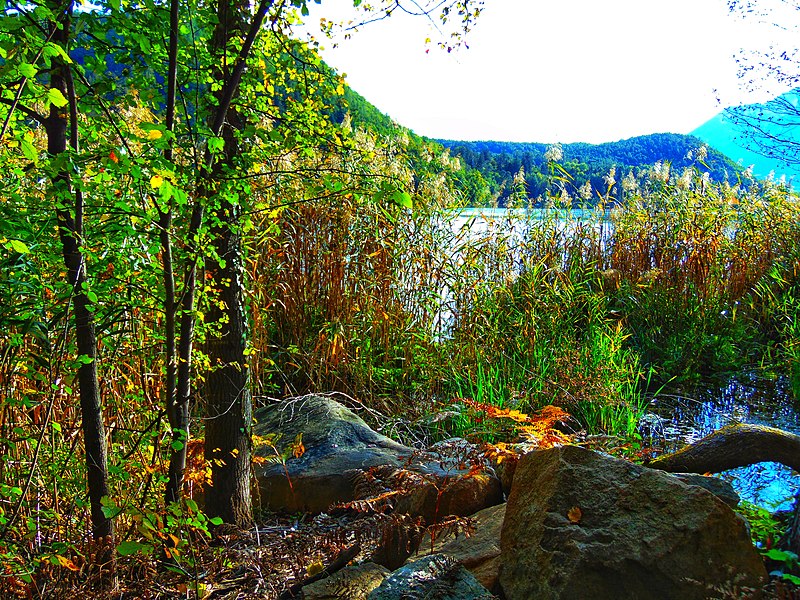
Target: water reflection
column 691, row 416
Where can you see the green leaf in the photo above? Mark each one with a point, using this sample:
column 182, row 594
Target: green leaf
column 779, row 555
column 115, row 4
column 17, row 246
column 177, row 445
column 55, row 97
column 56, row 426
column 91, row 296
column 28, row 70
column 403, row 199
column 50, row 49
column 131, row 547
column 29, row 150
column 215, row 520
column 215, row 144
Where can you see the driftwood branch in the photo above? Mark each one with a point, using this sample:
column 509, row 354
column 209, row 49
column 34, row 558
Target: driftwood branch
column 734, row 446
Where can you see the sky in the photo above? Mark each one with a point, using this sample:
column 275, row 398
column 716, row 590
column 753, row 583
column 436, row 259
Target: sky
column 556, row 70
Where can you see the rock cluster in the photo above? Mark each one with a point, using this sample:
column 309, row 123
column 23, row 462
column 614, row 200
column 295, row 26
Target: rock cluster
column 577, row 524
column 339, row 448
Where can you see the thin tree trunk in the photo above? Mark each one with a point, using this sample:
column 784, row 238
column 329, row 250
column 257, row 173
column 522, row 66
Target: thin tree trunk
column 69, row 212
column 177, row 405
column 227, row 386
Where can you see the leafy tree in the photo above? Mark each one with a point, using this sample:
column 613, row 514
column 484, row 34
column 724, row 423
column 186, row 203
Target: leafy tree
column 151, row 215
column 42, row 76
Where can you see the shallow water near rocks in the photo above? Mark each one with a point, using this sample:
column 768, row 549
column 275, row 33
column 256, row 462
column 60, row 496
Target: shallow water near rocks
column 687, row 417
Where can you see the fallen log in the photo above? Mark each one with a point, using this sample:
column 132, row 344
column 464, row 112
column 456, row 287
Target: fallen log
column 733, row 446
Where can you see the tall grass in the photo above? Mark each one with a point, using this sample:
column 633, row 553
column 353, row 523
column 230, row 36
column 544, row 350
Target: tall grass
column 531, row 308
column 701, row 267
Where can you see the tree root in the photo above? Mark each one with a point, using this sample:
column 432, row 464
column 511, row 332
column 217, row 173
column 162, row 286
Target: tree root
column 733, row 446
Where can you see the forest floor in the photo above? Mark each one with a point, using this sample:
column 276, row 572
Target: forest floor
column 270, row 561
column 263, row 562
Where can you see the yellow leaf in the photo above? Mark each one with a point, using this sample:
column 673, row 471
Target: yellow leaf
column 314, row 568
column 154, row 134
column 65, row 562
column 575, row 514
column 156, row 181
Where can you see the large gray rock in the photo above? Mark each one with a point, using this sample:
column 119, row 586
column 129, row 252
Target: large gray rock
column 336, row 442
column 581, row 525
column 719, row 487
column 339, row 448
column 435, row 576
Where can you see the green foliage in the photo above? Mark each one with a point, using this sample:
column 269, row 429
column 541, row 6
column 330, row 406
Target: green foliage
column 765, row 529
column 787, row 563
column 171, row 533
column 583, row 164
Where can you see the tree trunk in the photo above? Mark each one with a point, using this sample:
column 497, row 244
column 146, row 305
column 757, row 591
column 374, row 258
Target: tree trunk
column 177, row 405
column 227, row 387
column 69, row 212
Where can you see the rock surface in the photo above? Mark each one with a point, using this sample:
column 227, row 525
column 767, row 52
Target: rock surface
column 339, row 448
column 434, row 576
column 719, row 487
column 351, row 583
column 480, row 552
column 581, row 525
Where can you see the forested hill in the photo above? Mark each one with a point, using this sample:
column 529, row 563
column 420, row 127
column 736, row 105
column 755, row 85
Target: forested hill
column 500, row 162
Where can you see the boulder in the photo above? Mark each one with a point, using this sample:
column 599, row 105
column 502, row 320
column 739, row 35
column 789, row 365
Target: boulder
column 335, row 440
column 582, row 525
column 480, row 552
column 443, row 491
column 339, row 448
column 433, row 576
column 351, row 583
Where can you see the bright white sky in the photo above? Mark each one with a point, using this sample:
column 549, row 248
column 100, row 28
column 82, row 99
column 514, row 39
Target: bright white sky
column 554, row 70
